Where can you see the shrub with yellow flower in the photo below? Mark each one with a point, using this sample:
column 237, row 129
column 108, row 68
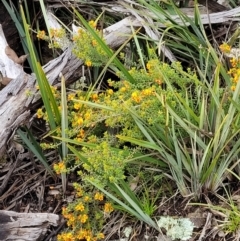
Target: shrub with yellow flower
column 98, row 196
column 60, row 167
column 108, row 208
column 87, row 48
column 41, row 34
column 234, row 71
column 225, row 48
column 85, row 216
column 40, row 113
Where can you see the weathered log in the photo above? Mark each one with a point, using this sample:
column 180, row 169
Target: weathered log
column 212, row 5
column 26, row 226
column 128, row 7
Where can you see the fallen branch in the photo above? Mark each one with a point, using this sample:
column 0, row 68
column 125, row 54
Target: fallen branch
column 25, row 226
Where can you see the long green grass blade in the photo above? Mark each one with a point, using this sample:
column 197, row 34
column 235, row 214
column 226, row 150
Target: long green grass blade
column 64, row 129
column 45, row 89
column 35, row 149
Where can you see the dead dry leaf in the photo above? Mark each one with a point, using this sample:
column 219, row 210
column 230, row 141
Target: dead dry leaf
column 13, row 56
column 134, row 183
column 4, row 80
column 53, row 192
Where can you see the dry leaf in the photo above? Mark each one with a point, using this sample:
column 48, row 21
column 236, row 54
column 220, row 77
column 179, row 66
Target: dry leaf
column 4, row 80
column 22, row 58
column 19, row 147
column 53, row 192
column 134, row 183
column 13, row 56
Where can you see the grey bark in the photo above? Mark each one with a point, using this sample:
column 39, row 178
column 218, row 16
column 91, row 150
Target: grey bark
column 25, row 226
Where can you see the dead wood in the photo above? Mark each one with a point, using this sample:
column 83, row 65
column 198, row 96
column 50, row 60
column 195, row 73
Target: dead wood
column 26, row 226
column 212, row 5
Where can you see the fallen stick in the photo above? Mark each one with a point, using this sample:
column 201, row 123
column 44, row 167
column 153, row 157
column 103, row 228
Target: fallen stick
column 25, row 226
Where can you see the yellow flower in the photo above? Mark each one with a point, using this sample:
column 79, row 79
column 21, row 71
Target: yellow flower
column 109, row 91
column 79, row 193
column 233, row 87
column 88, row 63
column 79, row 207
column 71, row 220
column 111, row 82
column 136, row 97
column 148, row 66
column 94, row 97
column 71, row 96
column 92, row 23
column 82, row 233
column 60, row 167
column 108, row 208
column 225, row 48
column 80, row 121
column 87, row 115
column 57, row 33
column 40, row 113
column 87, row 199
column 126, row 84
column 81, row 133
column 77, row 105
column 41, row 35
column 147, row 92
column 98, row 196
column 158, row 81
column 65, row 237
column 64, row 211
column 100, row 236
column 94, row 43
column 123, row 89
column 83, row 218
column 233, row 62
column 235, row 79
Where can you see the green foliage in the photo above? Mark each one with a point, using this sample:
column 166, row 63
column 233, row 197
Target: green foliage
column 130, row 204
column 64, row 128
column 104, row 164
column 88, row 49
column 47, row 96
column 149, row 202
column 34, row 147
column 44, row 87
column 104, row 47
column 233, row 221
